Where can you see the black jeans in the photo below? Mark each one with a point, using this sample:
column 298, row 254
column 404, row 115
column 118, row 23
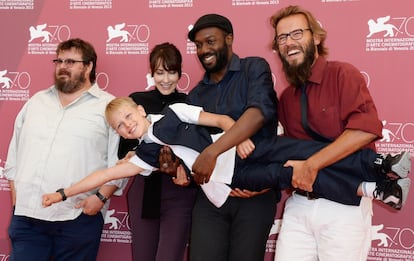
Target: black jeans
column 238, row 231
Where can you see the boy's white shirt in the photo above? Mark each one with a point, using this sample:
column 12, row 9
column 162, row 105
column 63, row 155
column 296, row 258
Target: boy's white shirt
column 216, row 190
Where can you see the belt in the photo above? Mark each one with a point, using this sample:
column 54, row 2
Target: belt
column 307, row 194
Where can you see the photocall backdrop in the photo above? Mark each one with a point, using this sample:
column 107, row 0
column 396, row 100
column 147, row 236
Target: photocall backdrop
column 377, row 36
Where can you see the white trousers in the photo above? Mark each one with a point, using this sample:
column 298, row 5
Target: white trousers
column 323, row 230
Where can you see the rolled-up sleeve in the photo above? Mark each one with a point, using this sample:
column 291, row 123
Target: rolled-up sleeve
column 261, row 93
column 358, row 109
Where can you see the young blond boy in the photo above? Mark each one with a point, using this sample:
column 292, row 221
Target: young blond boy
column 182, row 127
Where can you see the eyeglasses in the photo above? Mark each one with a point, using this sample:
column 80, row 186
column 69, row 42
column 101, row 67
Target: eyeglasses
column 67, row 62
column 294, row 35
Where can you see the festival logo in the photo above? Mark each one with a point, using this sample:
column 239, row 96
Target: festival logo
column 367, row 78
column 396, row 136
column 14, row 85
column 127, row 39
column 16, row 5
column 382, row 239
column 102, row 79
column 274, row 231
column 182, row 86
column 118, row 31
column 191, row 47
column 338, row 1
column 117, row 227
column 170, row 3
column 44, row 38
column 5, row 81
column 381, row 26
column 275, row 227
column 39, row 32
column 4, row 184
column 391, row 243
column 253, row 2
column 150, row 81
column 1, row 169
column 87, row 4
column 4, row 257
column 387, row 33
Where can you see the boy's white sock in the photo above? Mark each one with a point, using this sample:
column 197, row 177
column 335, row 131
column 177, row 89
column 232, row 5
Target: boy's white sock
column 368, row 189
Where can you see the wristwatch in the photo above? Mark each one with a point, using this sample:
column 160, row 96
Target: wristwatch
column 62, row 193
column 101, row 197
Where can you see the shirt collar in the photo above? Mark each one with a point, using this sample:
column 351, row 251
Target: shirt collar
column 94, row 90
column 234, row 66
column 152, row 118
column 318, row 70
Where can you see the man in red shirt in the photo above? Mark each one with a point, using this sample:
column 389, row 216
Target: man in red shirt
column 339, row 109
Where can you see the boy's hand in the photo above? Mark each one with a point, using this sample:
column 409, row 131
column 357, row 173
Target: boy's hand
column 245, row 148
column 49, row 199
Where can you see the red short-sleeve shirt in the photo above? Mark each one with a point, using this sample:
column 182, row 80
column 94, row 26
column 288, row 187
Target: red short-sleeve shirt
column 338, row 99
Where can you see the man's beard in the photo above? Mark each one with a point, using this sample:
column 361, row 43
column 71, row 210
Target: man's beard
column 70, row 85
column 221, row 60
column 298, row 74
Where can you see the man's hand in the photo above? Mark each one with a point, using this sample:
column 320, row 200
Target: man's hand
column 303, row 175
column 246, row 193
column 181, row 179
column 91, row 205
column 203, row 166
column 168, row 162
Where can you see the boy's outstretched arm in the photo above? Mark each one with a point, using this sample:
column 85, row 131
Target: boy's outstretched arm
column 92, row 181
column 223, row 122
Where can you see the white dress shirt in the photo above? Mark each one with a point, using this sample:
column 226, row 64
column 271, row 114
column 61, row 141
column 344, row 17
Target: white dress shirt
column 53, row 147
column 216, row 190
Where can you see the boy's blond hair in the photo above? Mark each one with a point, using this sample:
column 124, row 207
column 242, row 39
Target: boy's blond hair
column 116, row 103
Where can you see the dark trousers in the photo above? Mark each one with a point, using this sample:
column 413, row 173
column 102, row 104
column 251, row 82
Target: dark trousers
column 162, row 238
column 237, row 231
column 73, row 240
column 338, row 182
